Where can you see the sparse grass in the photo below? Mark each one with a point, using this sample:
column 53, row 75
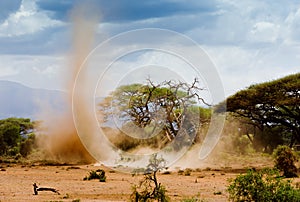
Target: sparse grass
column 138, row 171
column 46, row 162
column 72, row 168
column 187, row 172
column 66, row 196
column 193, row 199
column 231, row 160
column 55, row 201
column 198, row 169
column 207, row 169
column 8, row 160
column 98, row 174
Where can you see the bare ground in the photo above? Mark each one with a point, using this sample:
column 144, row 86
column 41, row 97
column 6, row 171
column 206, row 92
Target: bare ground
column 207, row 183
column 16, row 184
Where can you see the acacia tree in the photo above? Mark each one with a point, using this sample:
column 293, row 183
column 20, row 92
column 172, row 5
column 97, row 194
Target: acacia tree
column 273, row 107
column 166, row 108
column 13, row 131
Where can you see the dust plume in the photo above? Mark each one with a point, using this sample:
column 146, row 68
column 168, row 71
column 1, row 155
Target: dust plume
column 62, row 141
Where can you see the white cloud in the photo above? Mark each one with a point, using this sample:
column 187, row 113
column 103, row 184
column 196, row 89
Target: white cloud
column 27, row 20
column 38, row 72
column 241, row 67
column 293, row 27
column 250, row 41
column 264, row 32
column 49, row 70
column 249, row 23
column 162, row 66
column 7, row 71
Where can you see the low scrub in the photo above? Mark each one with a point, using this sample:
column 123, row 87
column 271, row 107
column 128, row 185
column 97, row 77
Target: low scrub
column 194, row 199
column 264, row 185
column 149, row 189
column 285, row 161
column 96, row 174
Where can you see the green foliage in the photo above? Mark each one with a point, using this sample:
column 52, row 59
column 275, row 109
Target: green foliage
column 156, row 113
column 285, row 161
column 27, row 145
column 10, row 133
column 96, row 174
column 272, row 107
column 149, row 189
column 241, row 144
column 265, row 185
column 13, row 132
column 205, row 114
column 125, row 142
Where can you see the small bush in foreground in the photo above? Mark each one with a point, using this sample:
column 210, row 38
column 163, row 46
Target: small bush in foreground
column 149, row 189
column 285, row 161
column 265, row 185
column 98, row 174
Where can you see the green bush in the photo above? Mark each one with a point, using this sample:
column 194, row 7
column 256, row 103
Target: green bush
column 27, row 145
column 285, row 161
column 265, row 185
column 98, row 174
column 241, row 144
column 14, row 133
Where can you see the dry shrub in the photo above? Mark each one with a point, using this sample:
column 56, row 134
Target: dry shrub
column 285, row 161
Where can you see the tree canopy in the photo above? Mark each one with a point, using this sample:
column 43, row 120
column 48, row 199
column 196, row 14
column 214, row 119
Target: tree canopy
column 14, row 137
column 150, row 109
column 270, row 106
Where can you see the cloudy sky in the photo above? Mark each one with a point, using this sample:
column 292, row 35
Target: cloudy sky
column 249, row 41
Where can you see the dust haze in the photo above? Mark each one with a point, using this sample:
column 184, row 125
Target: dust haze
column 62, row 142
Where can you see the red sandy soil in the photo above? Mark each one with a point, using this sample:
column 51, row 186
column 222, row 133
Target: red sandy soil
column 16, row 184
column 209, row 184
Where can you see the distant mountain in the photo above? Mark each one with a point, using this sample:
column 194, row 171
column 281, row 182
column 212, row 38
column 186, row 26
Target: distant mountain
column 17, row 100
